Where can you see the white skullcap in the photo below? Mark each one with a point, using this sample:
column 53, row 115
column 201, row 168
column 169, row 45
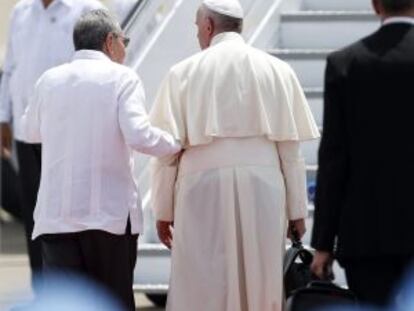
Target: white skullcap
column 231, row 8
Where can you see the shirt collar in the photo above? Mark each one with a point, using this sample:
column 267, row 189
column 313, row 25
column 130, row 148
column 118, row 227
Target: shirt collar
column 226, row 36
column 90, row 54
column 398, row 20
column 68, row 3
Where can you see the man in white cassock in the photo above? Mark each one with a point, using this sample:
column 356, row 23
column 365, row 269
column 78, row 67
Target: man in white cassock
column 223, row 207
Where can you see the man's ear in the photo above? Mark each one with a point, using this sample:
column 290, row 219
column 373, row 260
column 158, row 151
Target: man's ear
column 377, row 7
column 211, row 28
column 108, row 45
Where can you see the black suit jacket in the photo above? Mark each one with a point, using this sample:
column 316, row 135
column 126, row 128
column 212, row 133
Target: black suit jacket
column 364, row 203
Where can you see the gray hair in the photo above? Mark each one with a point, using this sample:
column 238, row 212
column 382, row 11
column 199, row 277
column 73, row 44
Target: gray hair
column 223, row 22
column 397, row 6
column 92, row 28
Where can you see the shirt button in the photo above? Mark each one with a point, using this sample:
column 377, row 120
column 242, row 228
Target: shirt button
column 53, row 20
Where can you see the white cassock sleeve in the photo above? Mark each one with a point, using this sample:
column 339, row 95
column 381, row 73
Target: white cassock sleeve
column 136, row 128
column 163, row 177
column 294, row 172
column 167, row 115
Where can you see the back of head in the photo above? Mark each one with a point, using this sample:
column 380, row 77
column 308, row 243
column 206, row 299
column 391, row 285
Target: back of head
column 217, row 16
column 92, row 29
column 225, row 23
column 227, row 15
column 395, row 7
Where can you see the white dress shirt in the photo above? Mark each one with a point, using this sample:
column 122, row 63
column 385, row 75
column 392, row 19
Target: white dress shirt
column 38, row 39
column 88, row 114
column 398, row 20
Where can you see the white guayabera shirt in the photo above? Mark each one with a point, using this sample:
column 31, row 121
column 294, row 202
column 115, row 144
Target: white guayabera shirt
column 89, row 114
column 38, row 39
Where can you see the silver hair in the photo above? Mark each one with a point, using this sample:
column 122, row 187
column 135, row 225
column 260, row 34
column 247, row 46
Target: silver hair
column 223, row 22
column 92, row 28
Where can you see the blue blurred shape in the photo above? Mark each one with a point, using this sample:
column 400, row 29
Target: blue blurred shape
column 67, row 292
column 311, row 191
column 349, row 308
column 405, row 296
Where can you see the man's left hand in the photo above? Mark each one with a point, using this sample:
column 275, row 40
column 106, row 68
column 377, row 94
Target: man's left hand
column 165, row 232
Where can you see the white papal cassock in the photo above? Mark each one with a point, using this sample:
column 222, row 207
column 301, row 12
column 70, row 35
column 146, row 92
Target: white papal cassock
column 240, row 114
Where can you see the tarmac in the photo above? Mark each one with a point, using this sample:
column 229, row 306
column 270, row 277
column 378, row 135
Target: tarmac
column 15, row 286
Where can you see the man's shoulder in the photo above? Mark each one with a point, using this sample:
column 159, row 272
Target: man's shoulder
column 107, row 67
column 263, row 58
column 349, row 52
column 21, row 6
column 188, row 62
column 62, row 73
column 54, row 72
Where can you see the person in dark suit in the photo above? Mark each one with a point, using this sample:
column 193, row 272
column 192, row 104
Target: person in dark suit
column 364, row 210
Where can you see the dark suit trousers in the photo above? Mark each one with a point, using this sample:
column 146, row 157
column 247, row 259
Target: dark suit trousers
column 377, row 280
column 29, row 159
column 10, row 189
column 104, row 258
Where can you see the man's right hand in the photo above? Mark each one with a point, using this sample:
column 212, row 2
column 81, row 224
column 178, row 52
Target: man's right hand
column 165, row 232
column 6, row 140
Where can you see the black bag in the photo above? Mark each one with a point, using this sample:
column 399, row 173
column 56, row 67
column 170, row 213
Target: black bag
column 296, row 267
column 319, row 295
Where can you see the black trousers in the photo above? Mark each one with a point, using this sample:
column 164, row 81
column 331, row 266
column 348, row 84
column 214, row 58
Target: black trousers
column 29, row 160
column 376, row 281
column 10, row 189
column 103, row 257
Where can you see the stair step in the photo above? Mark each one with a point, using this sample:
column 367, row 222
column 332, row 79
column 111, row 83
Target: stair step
column 313, row 92
column 325, row 29
column 315, row 100
column 310, row 151
column 311, row 171
column 349, row 5
column 300, row 53
column 309, row 65
column 322, row 15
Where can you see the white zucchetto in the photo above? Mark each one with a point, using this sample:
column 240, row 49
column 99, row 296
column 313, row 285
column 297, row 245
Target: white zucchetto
column 231, row 8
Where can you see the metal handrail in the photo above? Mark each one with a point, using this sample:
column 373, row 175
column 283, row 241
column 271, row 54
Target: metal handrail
column 136, row 9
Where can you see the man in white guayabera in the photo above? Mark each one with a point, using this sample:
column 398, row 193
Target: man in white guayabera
column 240, row 115
column 89, row 116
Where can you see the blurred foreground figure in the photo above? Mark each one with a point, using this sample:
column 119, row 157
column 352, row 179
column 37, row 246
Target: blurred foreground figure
column 71, row 293
column 89, row 115
column 364, row 211
column 40, row 37
column 240, row 114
